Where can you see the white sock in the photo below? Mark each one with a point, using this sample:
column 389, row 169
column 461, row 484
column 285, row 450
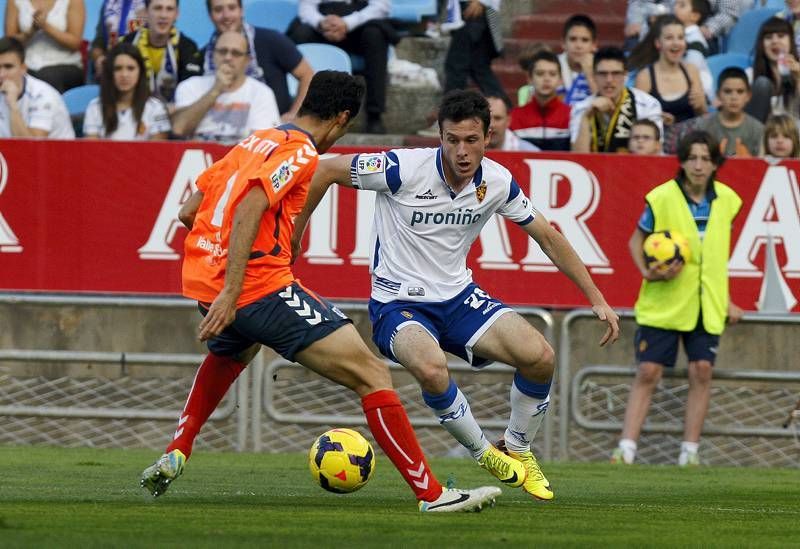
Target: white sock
column 689, row 447
column 628, row 447
column 459, row 422
column 527, row 415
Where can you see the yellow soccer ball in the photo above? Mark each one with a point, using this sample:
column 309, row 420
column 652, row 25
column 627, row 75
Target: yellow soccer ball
column 341, row 460
column 662, row 248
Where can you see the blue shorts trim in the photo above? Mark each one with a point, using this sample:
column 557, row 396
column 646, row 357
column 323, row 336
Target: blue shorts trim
column 288, row 321
column 661, row 346
column 456, row 324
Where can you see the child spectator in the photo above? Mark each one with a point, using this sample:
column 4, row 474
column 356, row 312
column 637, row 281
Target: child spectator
column 781, row 139
column 664, row 75
column 645, row 138
column 580, row 43
column 544, row 121
column 692, row 13
column 776, row 71
column 52, row 33
column 738, row 133
column 125, row 110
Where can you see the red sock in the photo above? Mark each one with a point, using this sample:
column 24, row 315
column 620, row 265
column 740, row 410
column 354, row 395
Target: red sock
column 211, row 382
column 389, row 424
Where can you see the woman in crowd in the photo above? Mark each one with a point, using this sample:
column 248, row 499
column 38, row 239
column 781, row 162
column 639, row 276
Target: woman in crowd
column 52, row 32
column 664, row 74
column 776, row 71
column 125, row 109
column 781, row 138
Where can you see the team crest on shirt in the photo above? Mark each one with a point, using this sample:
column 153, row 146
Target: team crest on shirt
column 371, row 163
column 281, row 176
column 406, row 314
column 480, row 191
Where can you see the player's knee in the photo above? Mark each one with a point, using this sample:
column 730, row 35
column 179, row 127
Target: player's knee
column 538, row 363
column 649, row 373
column 433, row 377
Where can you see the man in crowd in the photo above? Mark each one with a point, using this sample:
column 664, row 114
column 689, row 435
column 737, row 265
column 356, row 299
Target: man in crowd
column 29, row 107
column 359, row 27
column 602, row 122
column 170, row 56
column 272, row 55
column 501, row 138
column 228, row 105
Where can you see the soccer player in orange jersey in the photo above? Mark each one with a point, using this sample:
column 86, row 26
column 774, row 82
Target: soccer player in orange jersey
column 237, row 266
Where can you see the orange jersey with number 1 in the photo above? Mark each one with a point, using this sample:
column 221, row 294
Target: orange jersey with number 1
column 282, row 161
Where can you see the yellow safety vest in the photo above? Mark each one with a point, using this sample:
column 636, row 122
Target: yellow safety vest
column 703, row 283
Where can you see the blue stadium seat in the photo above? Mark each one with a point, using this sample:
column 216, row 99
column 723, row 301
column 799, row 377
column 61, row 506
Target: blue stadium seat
column 92, row 17
column 718, row 63
column 77, row 99
column 3, row 16
column 321, row 57
column 194, row 22
column 412, row 10
column 270, row 14
column 743, row 35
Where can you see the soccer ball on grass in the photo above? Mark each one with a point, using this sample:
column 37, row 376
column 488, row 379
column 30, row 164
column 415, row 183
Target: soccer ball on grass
column 341, row 460
column 664, row 248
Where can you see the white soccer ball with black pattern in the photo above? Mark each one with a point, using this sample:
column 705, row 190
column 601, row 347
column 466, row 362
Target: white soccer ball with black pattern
column 341, row 460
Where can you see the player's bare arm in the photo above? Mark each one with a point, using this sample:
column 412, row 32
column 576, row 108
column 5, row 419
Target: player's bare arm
column 246, row 221
column 563, row 255
column 329, row 171
column 189, row 209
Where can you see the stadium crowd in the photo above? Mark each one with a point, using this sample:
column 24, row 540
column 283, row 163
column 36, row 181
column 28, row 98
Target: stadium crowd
column 155, row 82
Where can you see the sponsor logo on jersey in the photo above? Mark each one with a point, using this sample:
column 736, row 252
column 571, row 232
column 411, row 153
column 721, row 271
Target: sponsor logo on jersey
column 480, row 191
column 460, row 217
column 371, row 163
column 416, row 291
column 281, row 176
column 427, row 195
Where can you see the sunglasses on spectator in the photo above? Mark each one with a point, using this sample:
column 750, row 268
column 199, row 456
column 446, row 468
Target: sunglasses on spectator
column 224, row 52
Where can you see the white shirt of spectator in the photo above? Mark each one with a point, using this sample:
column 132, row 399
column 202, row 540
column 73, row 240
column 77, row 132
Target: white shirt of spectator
column 421, row 232
column 42, row 108
column 647, row 107
column 155, row 120
column 42, row 50
column 236, row 114
column 512, row 142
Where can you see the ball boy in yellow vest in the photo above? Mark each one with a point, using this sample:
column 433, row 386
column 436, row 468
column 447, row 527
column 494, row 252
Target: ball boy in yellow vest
column 689, row 301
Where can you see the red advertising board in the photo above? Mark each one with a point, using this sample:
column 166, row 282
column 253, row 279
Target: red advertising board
column 101, row 217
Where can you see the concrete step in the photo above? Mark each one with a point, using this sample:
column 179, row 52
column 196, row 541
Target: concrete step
column 549, row 26
column 589, row 7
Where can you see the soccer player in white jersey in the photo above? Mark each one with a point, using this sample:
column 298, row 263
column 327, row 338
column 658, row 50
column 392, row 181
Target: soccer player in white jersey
column 431, row 205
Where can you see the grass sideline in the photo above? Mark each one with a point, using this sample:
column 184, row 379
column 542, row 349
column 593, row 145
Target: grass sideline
column 55, row 497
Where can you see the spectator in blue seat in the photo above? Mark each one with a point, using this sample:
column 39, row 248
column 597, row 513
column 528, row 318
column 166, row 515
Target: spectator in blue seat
column 29, row 107
column 117, row 19
column 357, row 26
column 776, row 71
column 274, row 55
column 169, row 55
column 51, row 32
column 125, row 110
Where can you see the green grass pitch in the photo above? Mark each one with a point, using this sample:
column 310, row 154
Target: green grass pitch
column 54, row 497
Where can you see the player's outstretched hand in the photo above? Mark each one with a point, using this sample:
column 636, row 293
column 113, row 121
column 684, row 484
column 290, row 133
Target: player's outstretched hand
column 219, row 316
column 607, row 314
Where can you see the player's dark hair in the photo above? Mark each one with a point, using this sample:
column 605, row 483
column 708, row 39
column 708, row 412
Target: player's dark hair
column 459, row 105
column 581, row 20
column 109, row 93
column 544, row 55
column 208, row 4
column 609, row 53
column 148, row 2
column 10, row 44
column 699, row 137
column 650, row 124
column 331, row 93
column 732, row 72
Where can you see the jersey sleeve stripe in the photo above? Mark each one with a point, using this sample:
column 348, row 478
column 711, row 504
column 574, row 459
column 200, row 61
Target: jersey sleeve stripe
column 354, row 171
column 525, row 222
column 513, row 191
column 393, row 172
